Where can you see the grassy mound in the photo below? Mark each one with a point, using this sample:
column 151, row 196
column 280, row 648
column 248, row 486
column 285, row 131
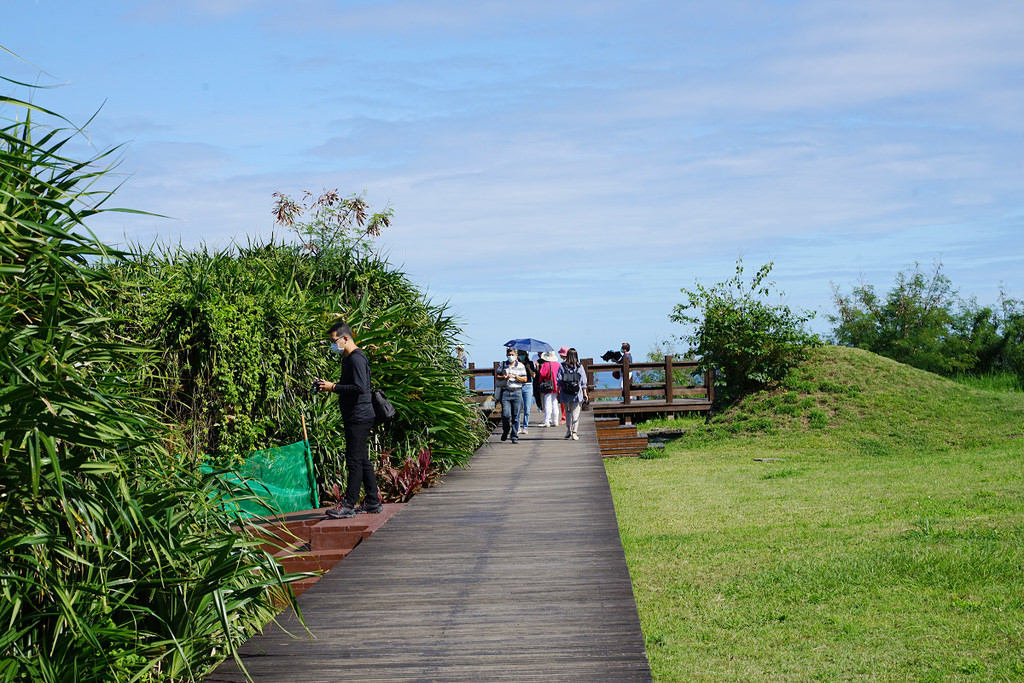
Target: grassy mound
column 852, row 402
column 864, row 520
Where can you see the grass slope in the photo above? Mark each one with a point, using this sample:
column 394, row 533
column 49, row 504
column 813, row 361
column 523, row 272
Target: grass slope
column 881, row 537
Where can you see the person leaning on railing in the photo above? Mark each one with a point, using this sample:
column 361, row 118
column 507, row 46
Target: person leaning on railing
column 627, row 357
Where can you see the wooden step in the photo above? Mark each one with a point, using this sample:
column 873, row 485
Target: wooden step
column 619, row 441
column 623, row 443
column 623, row 448
column 616, row 430
column 622, row 453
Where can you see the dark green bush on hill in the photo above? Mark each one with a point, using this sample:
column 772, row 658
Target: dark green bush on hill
column 924, row 322
column 747, row 341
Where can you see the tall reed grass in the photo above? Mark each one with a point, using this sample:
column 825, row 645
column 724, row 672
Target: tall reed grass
column 116, row 563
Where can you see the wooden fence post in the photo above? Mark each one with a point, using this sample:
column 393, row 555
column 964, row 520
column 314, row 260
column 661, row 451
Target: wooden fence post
column 670, row 380
column 626, row 383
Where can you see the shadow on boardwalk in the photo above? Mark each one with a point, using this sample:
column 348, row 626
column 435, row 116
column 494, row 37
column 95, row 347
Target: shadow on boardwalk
column 510, row 570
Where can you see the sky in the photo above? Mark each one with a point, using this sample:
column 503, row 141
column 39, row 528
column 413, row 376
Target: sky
column 562, row 170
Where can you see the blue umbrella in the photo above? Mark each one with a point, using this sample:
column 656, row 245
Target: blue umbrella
column 528, row 345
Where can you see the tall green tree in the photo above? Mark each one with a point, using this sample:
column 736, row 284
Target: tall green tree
column 924, row 322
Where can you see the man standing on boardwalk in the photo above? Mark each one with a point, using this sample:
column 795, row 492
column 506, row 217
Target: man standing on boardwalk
column 356, row 405
column 513, row 374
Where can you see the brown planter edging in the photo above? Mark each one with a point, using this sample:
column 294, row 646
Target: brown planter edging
column 307, row 541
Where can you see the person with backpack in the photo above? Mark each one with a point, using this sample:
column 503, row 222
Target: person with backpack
column 355, row 398
column 572, row 391
column 547, row 385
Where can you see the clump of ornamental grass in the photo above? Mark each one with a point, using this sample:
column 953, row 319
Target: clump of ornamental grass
column 116, row 563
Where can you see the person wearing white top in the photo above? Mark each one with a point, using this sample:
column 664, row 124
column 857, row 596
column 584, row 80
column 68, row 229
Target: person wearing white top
column 511, row 376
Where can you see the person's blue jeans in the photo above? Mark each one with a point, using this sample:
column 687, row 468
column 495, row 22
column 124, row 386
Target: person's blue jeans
column 511, row 408
column 527, row 400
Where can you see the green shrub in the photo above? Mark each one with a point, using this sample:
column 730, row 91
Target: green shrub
column 748, row 342
column 653, row 453
column 817, row 419
column 115, row 562
column 788, row 409
column 924, row 322
column 242, row 337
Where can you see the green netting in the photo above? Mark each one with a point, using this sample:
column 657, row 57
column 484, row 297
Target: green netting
column 282, row 478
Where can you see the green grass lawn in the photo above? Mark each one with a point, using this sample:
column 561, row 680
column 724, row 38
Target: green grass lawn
column 881, row 537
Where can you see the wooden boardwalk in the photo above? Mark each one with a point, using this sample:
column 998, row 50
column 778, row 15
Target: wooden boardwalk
column 510, row 570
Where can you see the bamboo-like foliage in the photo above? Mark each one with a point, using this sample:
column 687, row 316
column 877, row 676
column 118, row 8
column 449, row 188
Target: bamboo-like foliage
column 115, row 562
column 408, row 339
column 242, row 335
column 235, row 339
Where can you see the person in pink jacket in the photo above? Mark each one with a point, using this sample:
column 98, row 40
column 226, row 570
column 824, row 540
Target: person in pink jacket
column 549, row 387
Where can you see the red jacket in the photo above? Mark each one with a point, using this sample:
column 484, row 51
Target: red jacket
column 549, row 370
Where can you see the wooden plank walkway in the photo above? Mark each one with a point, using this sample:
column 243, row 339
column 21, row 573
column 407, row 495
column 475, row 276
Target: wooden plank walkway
column 510, row 570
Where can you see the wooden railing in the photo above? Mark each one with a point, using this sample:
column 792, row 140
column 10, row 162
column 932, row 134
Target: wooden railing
column 679, row 393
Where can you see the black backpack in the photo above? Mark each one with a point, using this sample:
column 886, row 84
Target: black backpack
column 571, row 381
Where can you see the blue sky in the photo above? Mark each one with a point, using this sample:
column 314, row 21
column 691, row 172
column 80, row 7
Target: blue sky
column 561, row 170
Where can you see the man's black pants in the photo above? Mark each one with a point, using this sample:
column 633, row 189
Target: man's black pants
column 357, row 462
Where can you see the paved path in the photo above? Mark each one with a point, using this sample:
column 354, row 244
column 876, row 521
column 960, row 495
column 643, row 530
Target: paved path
column 509, row 570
